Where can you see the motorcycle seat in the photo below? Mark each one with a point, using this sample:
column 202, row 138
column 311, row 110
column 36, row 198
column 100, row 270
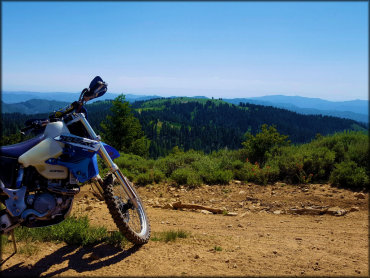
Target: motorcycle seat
column 17, row 150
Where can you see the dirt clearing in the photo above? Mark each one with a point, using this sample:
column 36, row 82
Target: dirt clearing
column 273, row 230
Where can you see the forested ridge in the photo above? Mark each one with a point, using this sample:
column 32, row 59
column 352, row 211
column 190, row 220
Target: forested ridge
column 203, row 124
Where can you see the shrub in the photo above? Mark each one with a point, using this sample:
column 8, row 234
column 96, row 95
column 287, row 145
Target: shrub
column 186, row 176
column 143, row 179
column 348, row 174
column 220, row 177
column 264, row 144
column 176, row 160
column 149, row 177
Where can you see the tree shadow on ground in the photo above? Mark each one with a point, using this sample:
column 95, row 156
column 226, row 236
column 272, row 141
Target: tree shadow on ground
column 80, row 259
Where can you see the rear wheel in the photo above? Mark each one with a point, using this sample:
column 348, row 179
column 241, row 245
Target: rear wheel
column 131, row 220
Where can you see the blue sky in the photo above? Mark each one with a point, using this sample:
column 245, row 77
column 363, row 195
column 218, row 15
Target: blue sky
column 219, row 49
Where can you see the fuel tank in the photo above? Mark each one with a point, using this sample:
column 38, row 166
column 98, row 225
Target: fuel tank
column 48, row 148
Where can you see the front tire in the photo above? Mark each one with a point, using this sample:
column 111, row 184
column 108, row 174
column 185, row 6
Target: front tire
column 132, row 221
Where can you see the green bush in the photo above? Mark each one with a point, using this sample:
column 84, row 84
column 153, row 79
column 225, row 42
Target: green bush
column 220, row 177
column 265, row 144
column 324, row 158
column 348, row 174
column 149, row 177
column 143, row 179
column 186, row 176
column 176, row 160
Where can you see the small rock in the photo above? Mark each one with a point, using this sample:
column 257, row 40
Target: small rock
column 168, row 206
column 88, row 208
column 337, row 211
column 241, row 192
column 277, row 212
column 232, row 214
column 172, row 189
column 275, row 252
column 235, row 266
column 196, row 256
column 205, row 211
column 229, row 226
column 240, row 225
column 352, row 209
column 298, row 238
column 227, row 261
column 280, row 184
column 237, row 182
column 360, row 195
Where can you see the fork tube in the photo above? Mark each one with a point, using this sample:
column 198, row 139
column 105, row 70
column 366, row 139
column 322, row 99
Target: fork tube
column 117, row 172
column 109, row 162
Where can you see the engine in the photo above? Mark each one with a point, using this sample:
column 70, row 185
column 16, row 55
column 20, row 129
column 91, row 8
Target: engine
column 48, row 201
column 37, row 201
column 44, row 206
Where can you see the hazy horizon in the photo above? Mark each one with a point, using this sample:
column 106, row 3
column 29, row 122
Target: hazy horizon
column 193, row 95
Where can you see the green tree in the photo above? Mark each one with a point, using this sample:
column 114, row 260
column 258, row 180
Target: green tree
column 123, row 131
column 265, row 144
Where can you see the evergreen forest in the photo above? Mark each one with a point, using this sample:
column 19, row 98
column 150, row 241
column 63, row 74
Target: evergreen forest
column 201, row 124
column 196, row 141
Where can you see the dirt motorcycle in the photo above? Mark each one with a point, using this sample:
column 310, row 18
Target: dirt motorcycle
column 40, row 177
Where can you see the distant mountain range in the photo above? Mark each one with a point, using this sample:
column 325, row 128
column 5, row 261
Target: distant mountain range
column 357, row 110
column 25, row 102
column 16, row 97
column 33, row 106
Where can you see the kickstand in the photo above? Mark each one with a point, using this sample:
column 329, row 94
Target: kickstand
column 14, row 243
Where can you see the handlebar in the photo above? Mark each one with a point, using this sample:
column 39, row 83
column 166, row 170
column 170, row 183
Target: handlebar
column 96, row 89
column 66, row 110
column 34, row 124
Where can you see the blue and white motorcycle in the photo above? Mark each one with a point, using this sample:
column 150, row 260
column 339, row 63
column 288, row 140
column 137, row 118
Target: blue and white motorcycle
column 40, row 177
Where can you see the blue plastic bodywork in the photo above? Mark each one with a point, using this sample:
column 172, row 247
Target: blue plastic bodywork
column 113, row 153
column 82, row 163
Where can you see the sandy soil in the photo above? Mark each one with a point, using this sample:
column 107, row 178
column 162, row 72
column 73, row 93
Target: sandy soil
column 267, row 236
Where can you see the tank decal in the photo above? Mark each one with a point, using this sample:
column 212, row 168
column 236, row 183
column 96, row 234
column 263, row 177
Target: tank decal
column 78, row 141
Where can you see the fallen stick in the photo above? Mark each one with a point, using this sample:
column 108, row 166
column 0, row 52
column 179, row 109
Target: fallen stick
column 178, row 205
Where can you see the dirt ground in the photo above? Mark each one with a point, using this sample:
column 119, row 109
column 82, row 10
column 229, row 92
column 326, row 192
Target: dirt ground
column 274, row 230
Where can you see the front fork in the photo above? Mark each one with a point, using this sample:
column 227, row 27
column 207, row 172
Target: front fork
column 118, row 174
column 111, row 165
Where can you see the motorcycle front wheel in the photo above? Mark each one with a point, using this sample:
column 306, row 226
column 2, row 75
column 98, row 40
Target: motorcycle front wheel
column 131, row 220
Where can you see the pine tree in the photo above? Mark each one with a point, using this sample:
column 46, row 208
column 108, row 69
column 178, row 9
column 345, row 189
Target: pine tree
column 123, row 131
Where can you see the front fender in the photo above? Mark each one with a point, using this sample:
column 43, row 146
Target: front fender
column 113, row 153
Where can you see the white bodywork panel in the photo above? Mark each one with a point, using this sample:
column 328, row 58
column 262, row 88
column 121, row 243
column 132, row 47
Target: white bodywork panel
column 48, row 148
